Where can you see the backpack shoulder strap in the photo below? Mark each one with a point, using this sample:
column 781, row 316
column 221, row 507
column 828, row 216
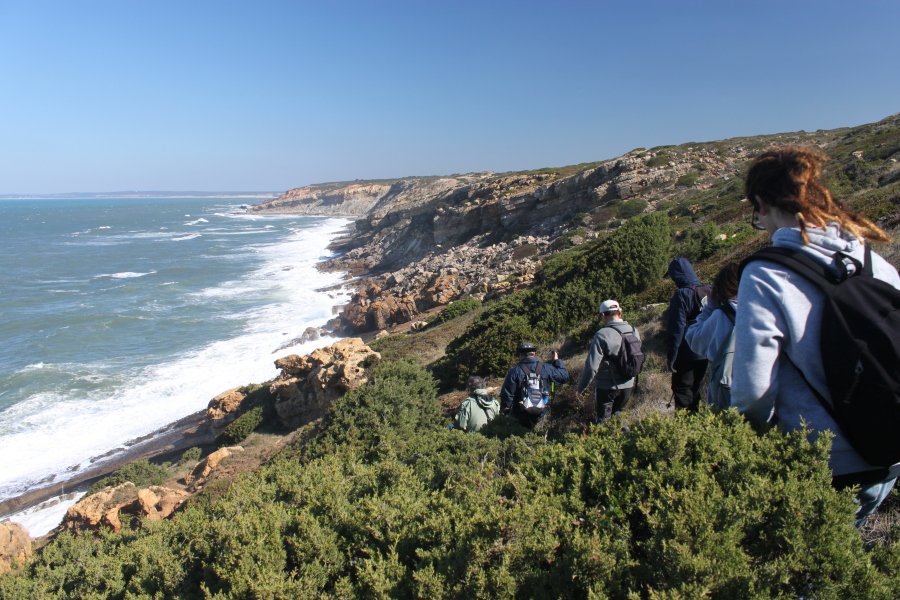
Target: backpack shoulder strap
column 729, row 311
column 539, row 368
column 524, row 369
column 868, row 269
column 798, row 262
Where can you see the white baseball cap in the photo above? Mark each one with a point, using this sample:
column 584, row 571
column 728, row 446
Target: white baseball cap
column 608, row 305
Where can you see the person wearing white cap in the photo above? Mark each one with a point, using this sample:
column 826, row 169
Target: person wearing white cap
column 611, row 391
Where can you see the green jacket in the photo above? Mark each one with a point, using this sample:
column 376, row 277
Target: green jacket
column 476, row 411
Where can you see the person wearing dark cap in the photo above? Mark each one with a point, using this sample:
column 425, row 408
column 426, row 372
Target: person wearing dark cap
column 512, row 394
column 687, row 367
column 611, row 390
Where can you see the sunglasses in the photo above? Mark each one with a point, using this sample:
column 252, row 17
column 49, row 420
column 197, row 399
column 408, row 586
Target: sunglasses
column 754, row 221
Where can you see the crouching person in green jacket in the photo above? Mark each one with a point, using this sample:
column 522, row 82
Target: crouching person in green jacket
column 478, row 408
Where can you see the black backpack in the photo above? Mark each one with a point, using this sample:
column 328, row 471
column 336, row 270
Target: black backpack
column 860, row 350
column 630, row 359
column 701, row 293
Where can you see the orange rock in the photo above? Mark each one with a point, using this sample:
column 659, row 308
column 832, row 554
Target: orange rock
column 225, row 407
column 101, row 508
column 209, row 464
column 15, row 545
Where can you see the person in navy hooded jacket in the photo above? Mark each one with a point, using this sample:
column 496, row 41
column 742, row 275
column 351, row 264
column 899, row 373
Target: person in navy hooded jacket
column 511, row 392
column 687, row 366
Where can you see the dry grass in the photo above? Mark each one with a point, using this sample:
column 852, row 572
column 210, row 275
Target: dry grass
column 879, row 527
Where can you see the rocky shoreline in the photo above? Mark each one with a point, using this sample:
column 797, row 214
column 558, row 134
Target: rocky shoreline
column 306, row 388
column 163, row 444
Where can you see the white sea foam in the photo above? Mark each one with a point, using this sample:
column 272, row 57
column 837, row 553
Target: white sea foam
column 123, row 275
column 200, row 220
column 187, row 237
column 40, row 519
column 53, row 431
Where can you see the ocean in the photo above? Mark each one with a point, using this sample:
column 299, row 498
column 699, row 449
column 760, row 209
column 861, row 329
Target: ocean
column 121, row 315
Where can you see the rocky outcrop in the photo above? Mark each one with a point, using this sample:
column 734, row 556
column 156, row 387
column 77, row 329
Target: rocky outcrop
column 440, row 278
column 109, row 506
column 15, row 545
column 156, row 503
column 205, row 467
column 225, row 408
column 308, row 385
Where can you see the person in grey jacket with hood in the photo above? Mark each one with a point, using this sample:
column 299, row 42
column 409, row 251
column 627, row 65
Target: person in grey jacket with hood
column 687, row 366
column 778, row 326
column 478, row 409
column 611, row 391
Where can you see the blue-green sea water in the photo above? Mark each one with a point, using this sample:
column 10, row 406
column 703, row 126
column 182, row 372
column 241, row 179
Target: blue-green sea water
column 118, row 316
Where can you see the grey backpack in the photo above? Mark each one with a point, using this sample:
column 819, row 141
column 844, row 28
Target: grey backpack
column 718, row 394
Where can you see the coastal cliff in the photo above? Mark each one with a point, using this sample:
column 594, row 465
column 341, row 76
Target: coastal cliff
column 425, row 242
column 361, row 197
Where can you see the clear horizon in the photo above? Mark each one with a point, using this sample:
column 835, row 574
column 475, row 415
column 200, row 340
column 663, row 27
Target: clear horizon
column 105, row 95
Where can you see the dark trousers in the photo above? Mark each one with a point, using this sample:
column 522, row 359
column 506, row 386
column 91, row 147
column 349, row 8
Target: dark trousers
column 609, row 402
column 526, row 420
column 686, row 382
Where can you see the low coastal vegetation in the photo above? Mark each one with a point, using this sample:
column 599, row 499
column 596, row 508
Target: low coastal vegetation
column 380, row 500
column 386, row 503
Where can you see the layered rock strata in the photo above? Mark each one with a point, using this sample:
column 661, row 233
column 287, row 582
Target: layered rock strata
column 418, row 255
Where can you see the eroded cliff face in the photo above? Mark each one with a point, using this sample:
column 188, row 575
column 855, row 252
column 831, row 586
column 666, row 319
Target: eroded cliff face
column 365, row 198
column 486, row 238
column 424, row 242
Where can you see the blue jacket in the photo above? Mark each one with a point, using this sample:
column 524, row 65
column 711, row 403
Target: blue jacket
column 684, row 308
column 510, row 393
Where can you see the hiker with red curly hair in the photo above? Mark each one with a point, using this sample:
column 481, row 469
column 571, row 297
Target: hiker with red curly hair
column 778, row 372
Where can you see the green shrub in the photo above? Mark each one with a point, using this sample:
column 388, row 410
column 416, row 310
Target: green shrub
column 259, row 408
column 571, row 286
column 241, row 427
column 665, row 206
column 688, row 179
column 396, row 407
column 141, row 473
column 565, row 240
column 687, row 507
column 631, row 208
column 489, row 344
column 190, row 456
column 455, row 309
column 659, row 160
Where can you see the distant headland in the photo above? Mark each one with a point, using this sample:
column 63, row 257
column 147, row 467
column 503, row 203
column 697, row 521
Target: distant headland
column 140, row 194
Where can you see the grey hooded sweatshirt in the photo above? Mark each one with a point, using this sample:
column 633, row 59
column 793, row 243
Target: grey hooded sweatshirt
column 781, row 316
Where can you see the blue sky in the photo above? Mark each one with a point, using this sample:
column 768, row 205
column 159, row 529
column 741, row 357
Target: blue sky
column 265, row 95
